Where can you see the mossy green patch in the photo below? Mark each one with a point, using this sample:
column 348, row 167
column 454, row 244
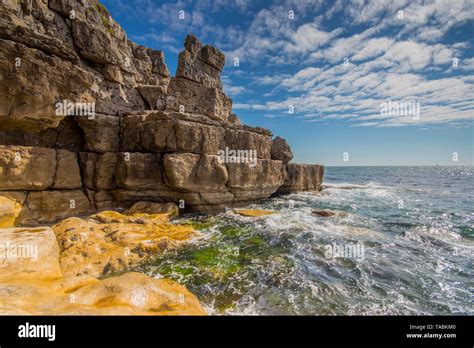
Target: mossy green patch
column 200, row 225
column 206, row 257
column 255, row 241
column 233, row 231
column 104, row 16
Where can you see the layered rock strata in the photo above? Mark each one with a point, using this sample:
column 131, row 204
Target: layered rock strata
column 90, row 121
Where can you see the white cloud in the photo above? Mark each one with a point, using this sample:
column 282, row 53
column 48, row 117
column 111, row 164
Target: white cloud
column 308, row 38
column 372, row 48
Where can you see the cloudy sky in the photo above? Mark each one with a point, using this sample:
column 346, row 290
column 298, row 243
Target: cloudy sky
column 322, row 73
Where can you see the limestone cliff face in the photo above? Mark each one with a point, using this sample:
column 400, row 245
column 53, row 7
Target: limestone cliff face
column 91, row 121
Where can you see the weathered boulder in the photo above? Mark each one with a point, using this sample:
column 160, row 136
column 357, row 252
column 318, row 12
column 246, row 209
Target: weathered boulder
column 110, row 241
column 244, row 139
column 324, row 213
column 35, row 168
column 155, row 208
column 112, row 98
column 28, row 93
column 253, row 212
column 192, row 97
column 200, row 64
column 199, row 137
column 91, row 40
column 28, row 253
column 195, row 173
column 302, row 177
column 150, row 131
column 37, row 26
column 26, row 168
column 248, row 183
column 154, row 96
column 49, row 206
column 281, row 150
column 234, row 119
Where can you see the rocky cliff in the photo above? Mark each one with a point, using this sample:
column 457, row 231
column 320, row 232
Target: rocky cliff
column 91, row 121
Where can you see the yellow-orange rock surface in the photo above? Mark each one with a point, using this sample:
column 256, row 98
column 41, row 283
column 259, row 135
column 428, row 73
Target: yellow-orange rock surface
column 32, row 283
column 110, row 241
column 9, row 211
column 253, row 212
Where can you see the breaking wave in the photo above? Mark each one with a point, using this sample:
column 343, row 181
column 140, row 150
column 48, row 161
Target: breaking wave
column 412, row 250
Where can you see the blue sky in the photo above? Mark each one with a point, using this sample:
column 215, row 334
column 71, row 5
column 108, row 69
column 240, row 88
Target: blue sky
column 334, row 63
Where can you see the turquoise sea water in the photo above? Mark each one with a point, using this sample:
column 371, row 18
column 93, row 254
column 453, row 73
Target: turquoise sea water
column 415, row 226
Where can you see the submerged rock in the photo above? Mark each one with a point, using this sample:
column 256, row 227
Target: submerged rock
column 253, row 212
column 325, row 213
column 329, row 213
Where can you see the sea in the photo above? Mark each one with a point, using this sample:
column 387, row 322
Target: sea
column 400, row 242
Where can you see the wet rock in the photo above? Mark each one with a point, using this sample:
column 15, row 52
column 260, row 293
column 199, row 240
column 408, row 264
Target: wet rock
column 324, row 213
column 253, row 212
